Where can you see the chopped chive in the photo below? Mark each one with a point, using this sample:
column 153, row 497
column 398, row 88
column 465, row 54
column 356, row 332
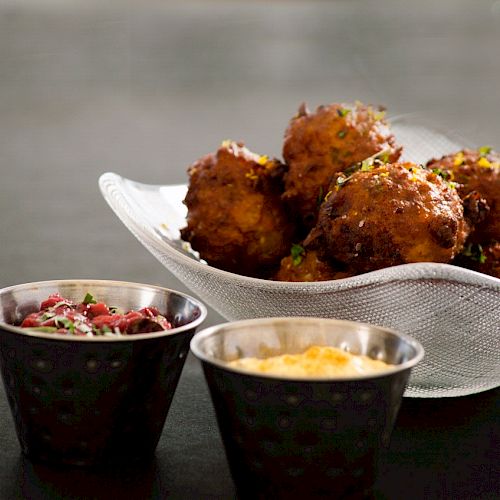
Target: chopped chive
column 366, row 166
column 475, row 252
column 45, row 329
column 65, row 322
column 383, row 157
column 297, row 252
column 484, row 150
column 89, row 299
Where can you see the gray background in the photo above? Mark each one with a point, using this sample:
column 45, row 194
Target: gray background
column 145, row 88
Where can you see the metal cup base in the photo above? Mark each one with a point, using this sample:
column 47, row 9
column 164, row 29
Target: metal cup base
column 300, row 439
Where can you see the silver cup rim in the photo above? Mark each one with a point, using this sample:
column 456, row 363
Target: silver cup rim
column 111, row 283
column 195, row 346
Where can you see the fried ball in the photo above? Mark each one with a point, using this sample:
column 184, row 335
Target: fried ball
column 476, row 170
column 485, row 260
column 236, row 219
column 317, row 145
column 304, row 265
column 389, row 215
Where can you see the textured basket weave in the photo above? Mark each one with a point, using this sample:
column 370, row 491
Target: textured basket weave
column 453, row 312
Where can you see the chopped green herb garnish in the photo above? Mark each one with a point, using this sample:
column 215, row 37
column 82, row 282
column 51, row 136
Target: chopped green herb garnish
column 383, row 157
column 440, row 172
column 475, row 252
column 47, row 315
column 341, row 134
column 366, row 166
column 45, row 329
column 65, row 322
column 368, row 163
column 482, row 257
column 343, row 112
column 89, row 299
column 484, row 150
column 297, row 252
column 445, row 176
column 101, row 331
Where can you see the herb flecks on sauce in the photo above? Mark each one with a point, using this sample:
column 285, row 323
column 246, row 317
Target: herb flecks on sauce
column 92, row 318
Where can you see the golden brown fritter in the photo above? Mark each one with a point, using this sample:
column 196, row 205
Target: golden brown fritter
column 389, row 215
column 318, row 145
column 485, row 260
column 304, row 265
column 476, row 170
column 236, row 218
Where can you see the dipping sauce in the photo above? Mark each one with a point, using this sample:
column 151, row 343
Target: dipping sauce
column 91, row 318
column 316, row 361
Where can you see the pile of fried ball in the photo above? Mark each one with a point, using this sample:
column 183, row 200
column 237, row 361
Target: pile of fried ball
column 341, row 203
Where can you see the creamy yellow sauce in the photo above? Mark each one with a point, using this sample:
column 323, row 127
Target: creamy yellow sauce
column 316, row 361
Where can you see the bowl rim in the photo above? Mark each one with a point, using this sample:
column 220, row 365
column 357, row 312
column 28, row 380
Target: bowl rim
column 122, row 338
column 213, row 330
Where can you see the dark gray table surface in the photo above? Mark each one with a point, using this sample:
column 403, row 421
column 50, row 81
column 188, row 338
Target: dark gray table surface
column 145, row 88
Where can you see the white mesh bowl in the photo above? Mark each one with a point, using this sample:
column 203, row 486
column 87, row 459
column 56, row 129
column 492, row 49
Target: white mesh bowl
column 453, row 312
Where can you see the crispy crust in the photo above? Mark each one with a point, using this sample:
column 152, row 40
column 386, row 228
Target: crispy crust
column 318, row 145
column 476, row 170
column 343, row 190
column 393, row 214
column 236, row 218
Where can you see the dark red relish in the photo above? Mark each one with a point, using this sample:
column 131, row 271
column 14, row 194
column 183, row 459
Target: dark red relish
column 92, row 318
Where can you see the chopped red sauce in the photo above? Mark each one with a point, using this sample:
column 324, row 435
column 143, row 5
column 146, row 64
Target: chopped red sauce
column 92, row 318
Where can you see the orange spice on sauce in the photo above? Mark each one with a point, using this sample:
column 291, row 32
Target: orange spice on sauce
column 316, row 361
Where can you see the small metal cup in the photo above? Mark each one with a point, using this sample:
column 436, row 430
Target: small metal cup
column 93, row 400
column 289, row 438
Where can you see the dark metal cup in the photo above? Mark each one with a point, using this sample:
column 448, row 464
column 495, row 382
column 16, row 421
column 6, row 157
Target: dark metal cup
column 93, row 400
column 303, row 438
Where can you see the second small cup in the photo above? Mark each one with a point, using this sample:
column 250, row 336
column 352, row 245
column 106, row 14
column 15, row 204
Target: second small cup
column 304, row 437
